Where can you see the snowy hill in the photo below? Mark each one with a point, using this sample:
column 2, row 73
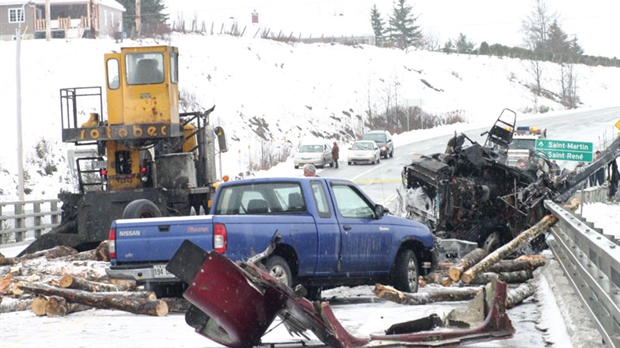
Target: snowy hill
column 270, row 93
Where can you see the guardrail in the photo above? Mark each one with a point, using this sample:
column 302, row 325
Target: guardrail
column 19, row 218
column 591, row 262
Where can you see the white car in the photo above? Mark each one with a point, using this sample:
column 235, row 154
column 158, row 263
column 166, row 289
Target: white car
column 316, row 153
column 364, row 151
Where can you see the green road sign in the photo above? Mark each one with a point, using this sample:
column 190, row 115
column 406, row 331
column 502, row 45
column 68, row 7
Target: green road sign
column 565, row 150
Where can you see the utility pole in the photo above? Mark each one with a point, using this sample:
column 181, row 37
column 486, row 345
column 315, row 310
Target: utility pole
column 138, row 21
column 18, row 107
column 48, row 21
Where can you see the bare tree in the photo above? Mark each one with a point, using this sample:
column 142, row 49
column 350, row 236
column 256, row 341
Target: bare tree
column 535, row 27
column 431, row 40
column 535, row 69
column 568, row 81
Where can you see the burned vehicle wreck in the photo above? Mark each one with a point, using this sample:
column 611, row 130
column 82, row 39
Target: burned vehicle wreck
column 470, row 193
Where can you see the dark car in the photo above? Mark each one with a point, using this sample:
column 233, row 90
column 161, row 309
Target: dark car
column 384, row 141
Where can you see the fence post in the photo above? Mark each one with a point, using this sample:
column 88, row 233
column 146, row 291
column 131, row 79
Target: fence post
column 4, row 238
column 19, row 222
column 54, row 207
column 37, row 219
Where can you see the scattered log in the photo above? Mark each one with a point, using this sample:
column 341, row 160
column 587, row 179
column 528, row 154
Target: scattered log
column 437, row 277
column 124, row 283
column 147, row 295
column 177, row 304
column 59, row 307
column 470, row 259
column 5, row 283
column 391, row 294
column 55, row 307
column 101, row 253
column 517, row 265
column 71, row 282
column 132, row 304
column 4, row 270
column 52, row 253
column 4, row 261
column 516, row 296
column 531, row 257
column 444, row 265
column 9, row 304
column 38, row 305
column 508, row 248
column 519, row 241
column 506, row 277
column 83, row 256
column 89, row 270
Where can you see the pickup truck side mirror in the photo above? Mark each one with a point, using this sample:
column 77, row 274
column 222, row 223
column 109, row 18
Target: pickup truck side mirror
column 379, row 211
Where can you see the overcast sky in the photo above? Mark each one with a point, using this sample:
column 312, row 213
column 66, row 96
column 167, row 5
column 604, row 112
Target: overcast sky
column 597, row 24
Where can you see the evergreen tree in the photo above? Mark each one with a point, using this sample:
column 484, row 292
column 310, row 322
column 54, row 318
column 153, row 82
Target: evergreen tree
column 403, row 32
column 463, row 45
column 378, row 25
column 557, row 41
column 575, row 47
column 484, row 48
column 559, row 44
column 448, row 47
column 151, row 16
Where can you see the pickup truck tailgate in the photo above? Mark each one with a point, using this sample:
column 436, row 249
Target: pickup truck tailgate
column 157, row 239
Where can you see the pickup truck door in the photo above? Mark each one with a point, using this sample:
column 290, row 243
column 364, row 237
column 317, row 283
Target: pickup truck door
column 329, row 236
column 253, row 214
column 366, row 242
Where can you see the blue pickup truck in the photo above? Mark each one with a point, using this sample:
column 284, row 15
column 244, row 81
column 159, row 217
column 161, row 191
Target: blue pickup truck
column 330, row 234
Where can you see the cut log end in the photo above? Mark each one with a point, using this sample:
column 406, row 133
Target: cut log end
column 38, row 305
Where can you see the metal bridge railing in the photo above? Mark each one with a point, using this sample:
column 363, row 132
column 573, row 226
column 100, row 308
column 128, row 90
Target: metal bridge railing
column 591, row 262
column 20, row 218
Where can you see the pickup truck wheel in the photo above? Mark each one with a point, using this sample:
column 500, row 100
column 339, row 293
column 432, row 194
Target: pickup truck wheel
column 141, row 208
column 406, row 271
column 279, row 269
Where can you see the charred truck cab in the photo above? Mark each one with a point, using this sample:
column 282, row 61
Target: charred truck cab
column 148, row 158
column 469, row 193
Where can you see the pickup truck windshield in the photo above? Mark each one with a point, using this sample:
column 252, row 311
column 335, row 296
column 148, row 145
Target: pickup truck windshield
column 262, row 198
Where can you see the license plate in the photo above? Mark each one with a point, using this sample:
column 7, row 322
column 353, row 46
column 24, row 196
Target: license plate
column 159, row 271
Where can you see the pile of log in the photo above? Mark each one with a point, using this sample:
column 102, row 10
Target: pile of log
column 60, row 281
column 479, row 268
